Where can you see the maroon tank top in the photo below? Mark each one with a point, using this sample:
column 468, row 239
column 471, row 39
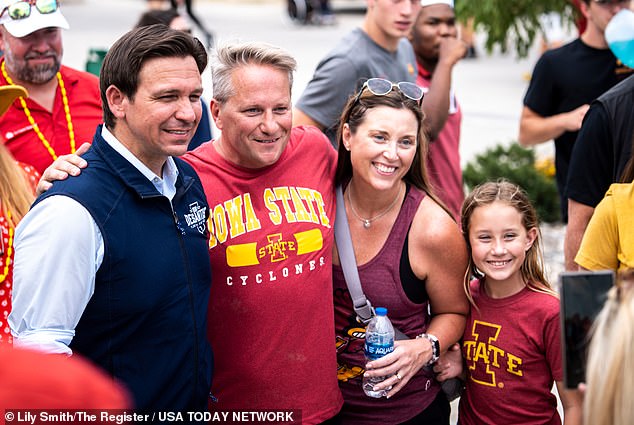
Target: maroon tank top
column 381, row 282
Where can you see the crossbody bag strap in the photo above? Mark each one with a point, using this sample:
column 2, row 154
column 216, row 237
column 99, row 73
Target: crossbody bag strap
column 361, row 304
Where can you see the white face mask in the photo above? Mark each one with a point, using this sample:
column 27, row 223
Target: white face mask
column 619, row 34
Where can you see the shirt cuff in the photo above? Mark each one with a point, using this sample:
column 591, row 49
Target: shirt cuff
column 46, row 340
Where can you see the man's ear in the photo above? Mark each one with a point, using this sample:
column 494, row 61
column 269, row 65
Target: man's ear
column 117, row 101
column 214, row 109
column 583, row 6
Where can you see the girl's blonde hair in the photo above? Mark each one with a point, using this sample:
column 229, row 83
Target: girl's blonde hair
column 16, row 194
column 532, row 269
column 610, row 369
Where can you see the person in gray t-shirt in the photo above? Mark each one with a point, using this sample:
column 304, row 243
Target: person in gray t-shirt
column 378, row 48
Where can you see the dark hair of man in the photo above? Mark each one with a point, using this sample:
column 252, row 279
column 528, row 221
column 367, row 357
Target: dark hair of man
column 122, row 65
column 157, row 16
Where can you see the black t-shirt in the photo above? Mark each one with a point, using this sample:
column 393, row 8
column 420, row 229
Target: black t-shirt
column 604, row 145
column 564, row 79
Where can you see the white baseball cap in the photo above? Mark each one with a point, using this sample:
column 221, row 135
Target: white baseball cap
column 432, row 2
column 35, row 21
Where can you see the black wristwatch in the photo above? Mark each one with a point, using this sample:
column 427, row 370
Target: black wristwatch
column 435, row 347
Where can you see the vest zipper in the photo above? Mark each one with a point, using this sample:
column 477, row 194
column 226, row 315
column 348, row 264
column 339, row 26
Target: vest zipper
column 192, row 306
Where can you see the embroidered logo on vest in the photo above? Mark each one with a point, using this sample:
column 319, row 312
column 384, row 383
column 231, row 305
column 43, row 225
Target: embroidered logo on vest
column 196, row 218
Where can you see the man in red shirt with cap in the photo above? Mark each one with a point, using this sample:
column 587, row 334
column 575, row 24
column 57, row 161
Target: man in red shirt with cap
column 64, row 107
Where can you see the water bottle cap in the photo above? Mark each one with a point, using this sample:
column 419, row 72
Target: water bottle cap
column 381, row 311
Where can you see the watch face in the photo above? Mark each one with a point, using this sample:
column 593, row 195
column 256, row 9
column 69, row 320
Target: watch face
column 435, row 346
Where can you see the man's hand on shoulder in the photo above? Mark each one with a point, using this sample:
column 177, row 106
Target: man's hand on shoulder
column 64, row 166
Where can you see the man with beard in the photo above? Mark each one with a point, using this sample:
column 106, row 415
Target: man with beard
column 63, row 107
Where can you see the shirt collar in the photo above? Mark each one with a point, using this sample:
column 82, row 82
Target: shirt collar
column 165, row 185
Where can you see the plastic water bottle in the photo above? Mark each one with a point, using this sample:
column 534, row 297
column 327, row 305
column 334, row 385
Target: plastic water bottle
column 619, row 33
column 379, row 341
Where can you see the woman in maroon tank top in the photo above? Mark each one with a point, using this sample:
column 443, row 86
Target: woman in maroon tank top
column 410, row 255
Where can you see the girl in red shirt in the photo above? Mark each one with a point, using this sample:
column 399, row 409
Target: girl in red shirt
column 512, row 341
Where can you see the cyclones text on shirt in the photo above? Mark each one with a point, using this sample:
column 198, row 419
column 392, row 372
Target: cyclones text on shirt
column 285, row 208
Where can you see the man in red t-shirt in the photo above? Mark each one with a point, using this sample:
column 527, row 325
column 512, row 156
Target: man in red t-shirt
column 437, row 47
column 64, row 107
column 271, row 195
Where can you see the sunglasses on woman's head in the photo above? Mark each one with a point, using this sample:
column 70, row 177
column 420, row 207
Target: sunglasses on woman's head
column 381, row 87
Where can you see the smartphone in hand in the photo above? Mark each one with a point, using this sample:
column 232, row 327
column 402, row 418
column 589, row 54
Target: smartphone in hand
column 582, row 295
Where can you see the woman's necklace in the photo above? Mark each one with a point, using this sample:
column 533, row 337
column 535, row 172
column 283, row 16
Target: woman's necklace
column 27, row 112
column 367, row 222
column 9, row 250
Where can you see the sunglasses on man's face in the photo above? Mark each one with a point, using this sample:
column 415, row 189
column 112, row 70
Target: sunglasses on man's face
column 22, row 9
column 381, row 87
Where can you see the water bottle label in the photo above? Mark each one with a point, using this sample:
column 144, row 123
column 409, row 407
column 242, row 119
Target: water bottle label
column 376, row 351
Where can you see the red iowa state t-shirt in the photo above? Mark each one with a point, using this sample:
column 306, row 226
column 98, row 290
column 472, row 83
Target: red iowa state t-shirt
column 271, row 315
column 512, row 349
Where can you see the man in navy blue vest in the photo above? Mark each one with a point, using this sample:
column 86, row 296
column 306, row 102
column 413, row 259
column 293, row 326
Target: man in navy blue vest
column 113, row 264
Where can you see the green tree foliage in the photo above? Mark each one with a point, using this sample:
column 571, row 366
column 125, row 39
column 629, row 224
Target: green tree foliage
column 517, row 165
column 512, row 21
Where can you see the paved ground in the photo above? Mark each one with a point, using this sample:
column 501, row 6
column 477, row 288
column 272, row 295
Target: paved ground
column 489, row 88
